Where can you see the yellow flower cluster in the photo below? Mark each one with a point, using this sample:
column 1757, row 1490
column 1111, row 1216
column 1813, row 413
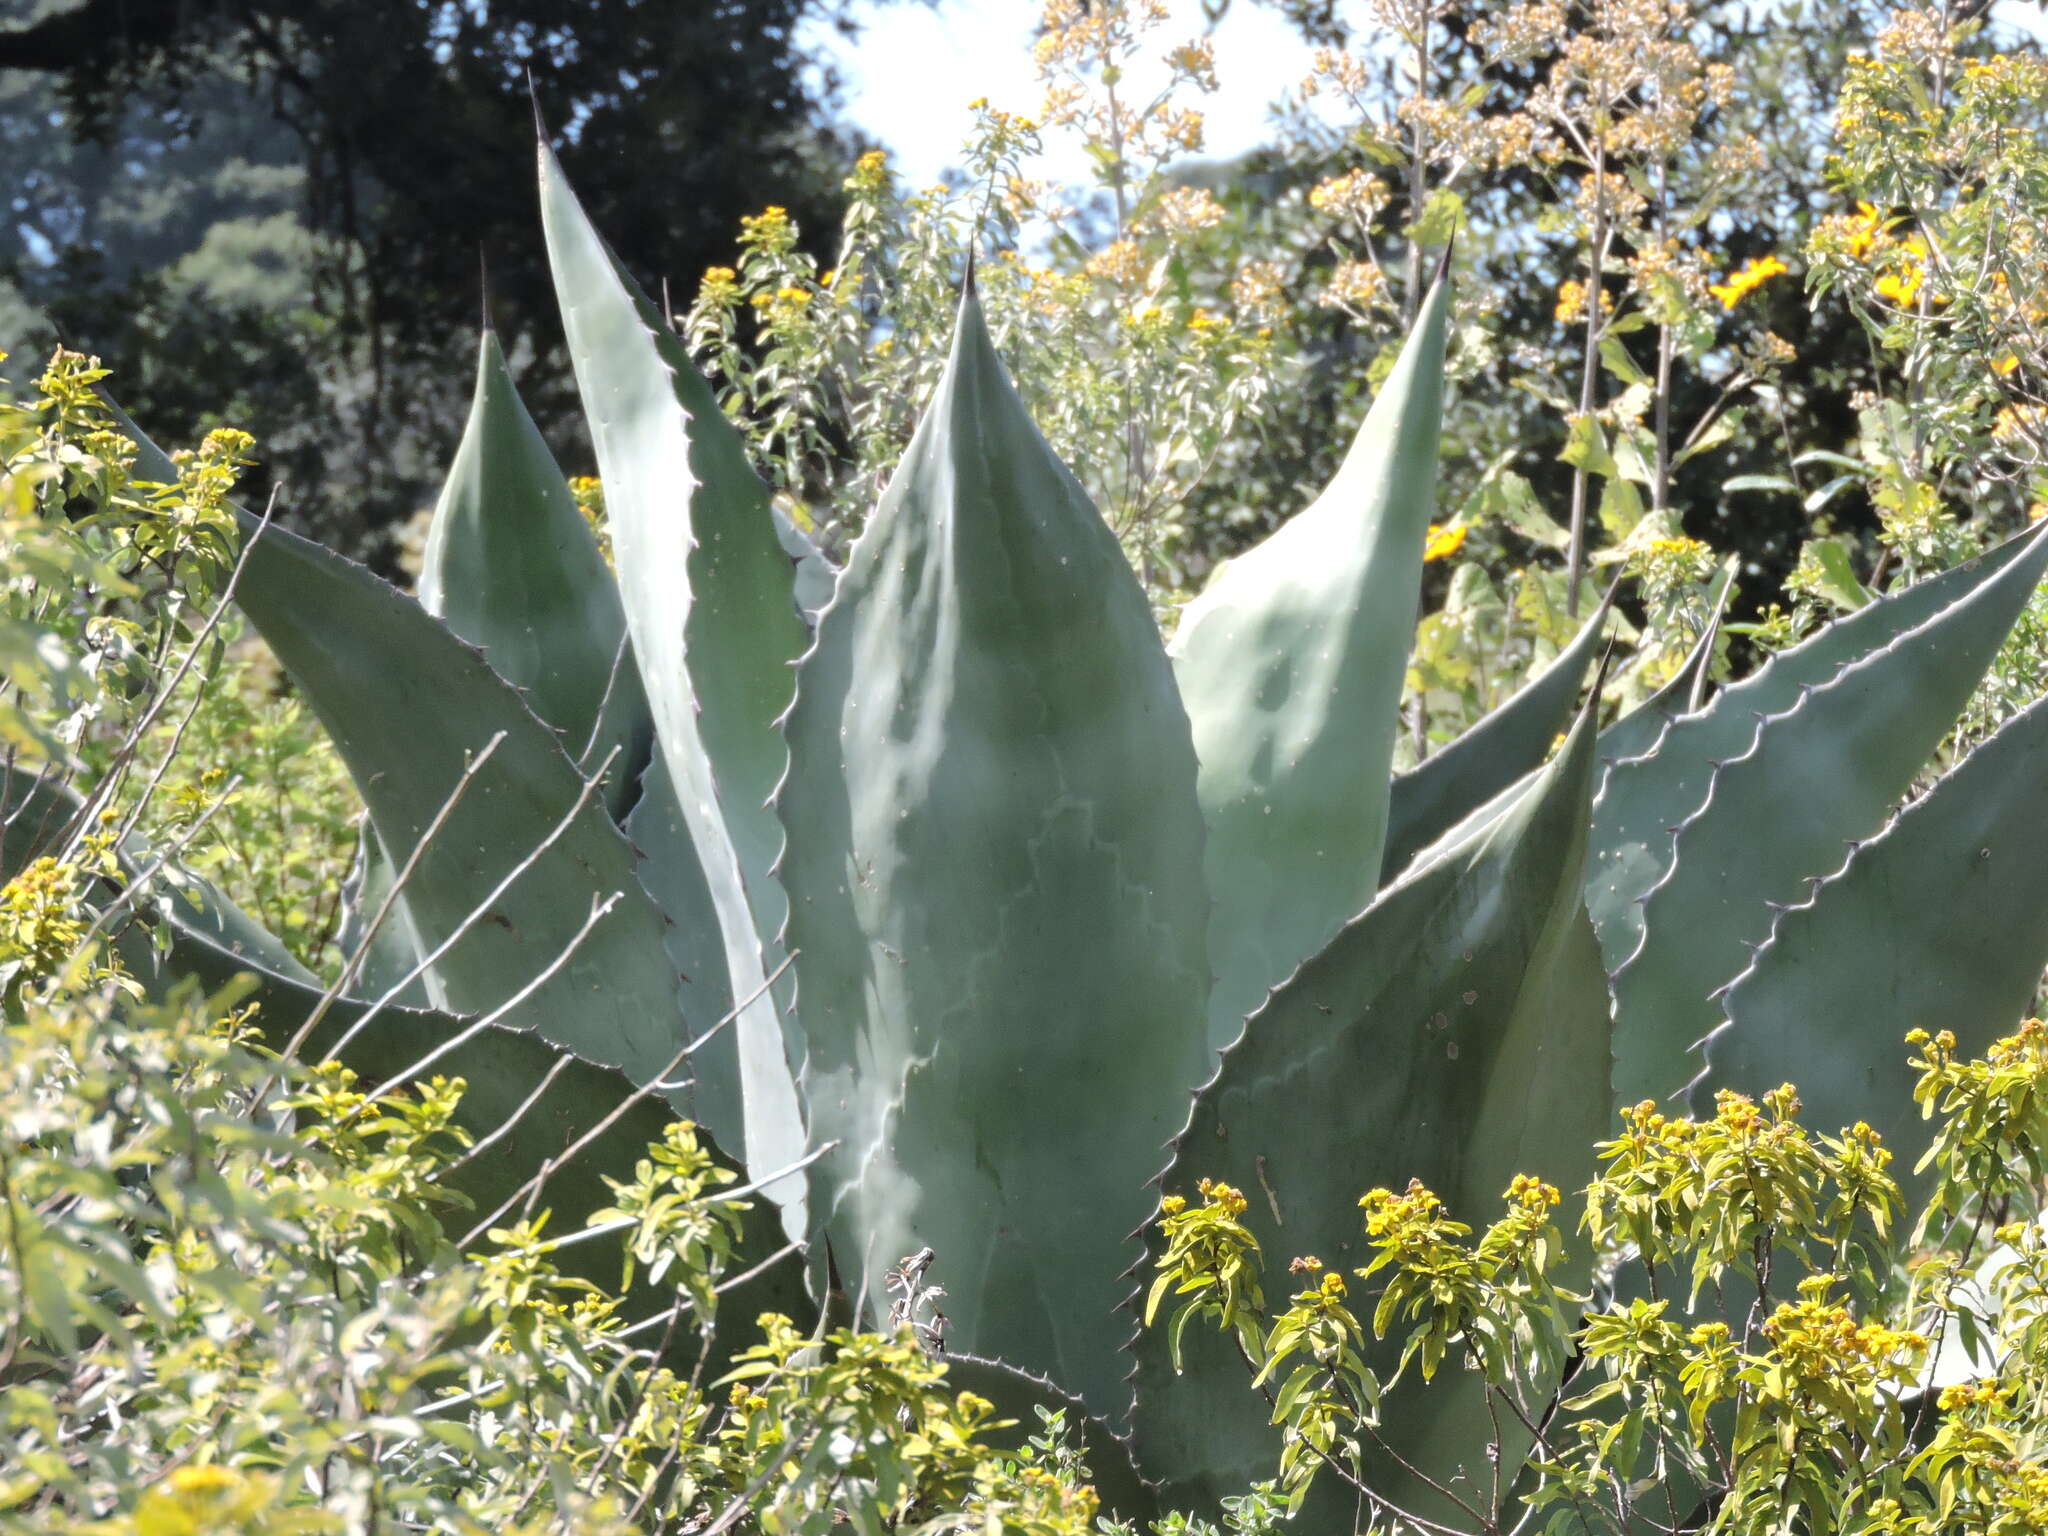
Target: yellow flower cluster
column 870, row 173
column 1119, row 262
column 1444, row 541
column 1354, row 195
column 1388, row 1215
column 39, row 915
column 1819, row 1343
column 1354, row 285
column 1257, row 290
column 1901, row 284
column 1186, row 211
column 1745, row 281
column 771, row 229
column 1531, row 1194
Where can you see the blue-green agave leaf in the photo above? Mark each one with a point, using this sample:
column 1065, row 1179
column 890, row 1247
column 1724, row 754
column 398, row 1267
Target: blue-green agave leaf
column 1644, row 797
column 391, row 955
column 1629, row 737
column 670, row 871
column 1778, row 813
column 1939, row 922
column 1455, row 1032
column 408, row 705
column 707, row 590
column 812, row 582
column 996, row 902
column 1291, row 665
column 512, row 567
column 1508, row 743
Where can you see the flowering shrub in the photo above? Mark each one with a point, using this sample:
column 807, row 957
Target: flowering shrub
column 1754, row 1358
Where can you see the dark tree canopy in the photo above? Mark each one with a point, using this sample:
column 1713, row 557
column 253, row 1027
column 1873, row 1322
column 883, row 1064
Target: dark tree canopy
column 367, row 155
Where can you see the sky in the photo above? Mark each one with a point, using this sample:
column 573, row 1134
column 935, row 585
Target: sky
column 914, row 68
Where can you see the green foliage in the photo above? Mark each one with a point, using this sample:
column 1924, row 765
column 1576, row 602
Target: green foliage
column 994, row 907
column 237, row 1303
column 1003, row 841
column 1692, row 1409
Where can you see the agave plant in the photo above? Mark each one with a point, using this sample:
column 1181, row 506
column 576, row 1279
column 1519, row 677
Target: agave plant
column 937, row 910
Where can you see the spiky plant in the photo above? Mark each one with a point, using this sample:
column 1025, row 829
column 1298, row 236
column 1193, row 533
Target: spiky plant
column 937, row 912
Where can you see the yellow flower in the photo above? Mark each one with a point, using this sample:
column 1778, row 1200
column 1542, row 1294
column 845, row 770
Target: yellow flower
column 870, row 173
column 1901, row 287
column 1444, row 541
column 2005, row 365
column 1742, row 283
column 1173, row 1205
column 770, row 229
column 1571, row 301
column 1354, row 194
column 209, row 1479
column 1864, row 231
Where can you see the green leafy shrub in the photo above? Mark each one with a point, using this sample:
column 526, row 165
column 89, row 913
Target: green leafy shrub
column 1001, row 840
column 929, row 886
column 1864, row 1397
column 238, row 1303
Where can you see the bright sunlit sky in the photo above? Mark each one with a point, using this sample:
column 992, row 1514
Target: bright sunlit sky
column 914, row 68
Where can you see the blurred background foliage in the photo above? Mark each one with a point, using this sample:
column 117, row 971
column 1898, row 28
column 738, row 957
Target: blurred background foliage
column 1691, row 345
column 274, row 213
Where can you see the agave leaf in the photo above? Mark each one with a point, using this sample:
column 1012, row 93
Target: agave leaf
column 1497, row 752
column 393, row 953
column 1454, row 1032
column 812, row 582
column 408, row 704
column 1777, row 813
column 1629, row 737
column 1638, row 732
column 1940, row 922
column 707, row 590
column 512, row 567
column 674, row 877
column 996, row 903
column 198, row 904
column 1291, row 665
column 1644, row 797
